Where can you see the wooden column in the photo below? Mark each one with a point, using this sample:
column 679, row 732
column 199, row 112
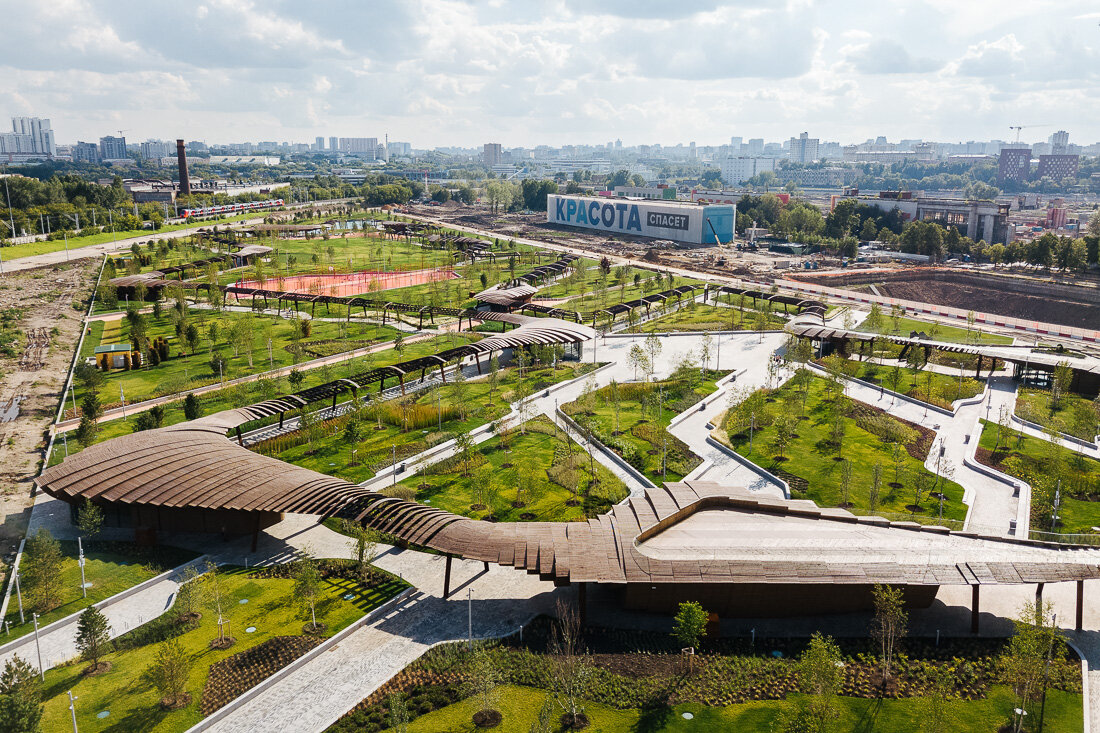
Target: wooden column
column 1080, row 604
column 401, row 378
column 1039, row 597
column 447, row 579
column 240, row 439
column 978, row 371
column 974, row 608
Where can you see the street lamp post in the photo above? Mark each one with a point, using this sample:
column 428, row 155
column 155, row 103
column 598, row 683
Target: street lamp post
column 72, row 709
column 19, row 595
column 38, row 646
column 80, row 561
column 470, row 617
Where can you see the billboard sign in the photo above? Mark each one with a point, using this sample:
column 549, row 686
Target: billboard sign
column 646, row 218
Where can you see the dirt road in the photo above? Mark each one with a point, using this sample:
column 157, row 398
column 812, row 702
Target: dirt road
column 52, row 302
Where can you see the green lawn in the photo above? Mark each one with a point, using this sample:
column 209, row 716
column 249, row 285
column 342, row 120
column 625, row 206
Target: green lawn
column 16, row 251
column 111, row 567
column 264, row 604
column 1076, row 415
column 186, row 370
column 698, row 317
column 412, row 425
column 520, row 707
column 267, row 388
column 539, row 468
column 809, row 461
column 924, row 385
column 1043, row 464
column 611, row 296
column 904, row 326
column 639, row 433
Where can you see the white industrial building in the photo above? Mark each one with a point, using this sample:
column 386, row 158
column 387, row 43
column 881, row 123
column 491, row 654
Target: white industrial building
column 678, row 221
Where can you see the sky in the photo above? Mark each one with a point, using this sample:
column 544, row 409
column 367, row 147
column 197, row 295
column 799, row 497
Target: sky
column 554, row 72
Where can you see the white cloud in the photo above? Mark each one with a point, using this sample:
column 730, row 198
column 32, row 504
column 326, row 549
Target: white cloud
column 440, row 72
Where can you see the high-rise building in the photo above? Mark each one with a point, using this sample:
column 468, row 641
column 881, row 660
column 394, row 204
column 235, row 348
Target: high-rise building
column 396, row 148
column 1059, row 141
column 112, row 148
column 738, row 169
column 319, row 144
column 154, row 149
column 333, row 144
column 39, row 131
column 360, row 146
column 1014, row 165
column 735, row 143
column 85, row 153
column 492, row 154
column 755, row 146
column 803, row 149
column 1058, row 167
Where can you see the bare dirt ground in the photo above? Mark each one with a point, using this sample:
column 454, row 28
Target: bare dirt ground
column 53, row 300
column 992, row 300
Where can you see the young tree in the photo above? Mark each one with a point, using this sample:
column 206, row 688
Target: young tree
column 168, row 673
column 846, row 481
column 20, row 697
column 485, row 677
column 191, row 337
column 873, row 321
column 653, row 350
column 399, row 712
column 705, row 346
column 307, row 585
column 822, row 675
column 364, row 543
column 93, row 637
column 689, row 626
column 89, row 519
column 212, row 590
column 1036, row 641
column 464, row 447
column 189, row 595
column 569, row 668
column 888, row 624
column 192, row 408
column 637, row 359
column 42, row 570
column 876, row 487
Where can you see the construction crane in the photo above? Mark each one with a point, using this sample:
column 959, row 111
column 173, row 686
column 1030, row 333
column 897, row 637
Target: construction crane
column 1017, row 128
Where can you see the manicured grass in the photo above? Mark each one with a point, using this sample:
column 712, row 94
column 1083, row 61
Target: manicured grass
column 1043, row 464
column 924, row 385
column 698, row 317
column 92, row 339
column 937, row 331
column 1076, row 415
column 537, row 466
column 809, row 461
column 520, row 707
column 271, row 610
column 111, row 567
column 462, row 407
column 185, row 370
column 266, row 388
column 611, row 296
column 639, row 434
column 16, row 251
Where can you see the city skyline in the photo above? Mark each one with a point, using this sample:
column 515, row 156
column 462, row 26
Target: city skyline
column 458, row 74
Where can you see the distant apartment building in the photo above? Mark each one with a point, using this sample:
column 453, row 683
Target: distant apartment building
column 155, row 149
column 1059, row 143
column 492, row 154
column 334, row 144
column 1058, row 167
column 29, row 137
column 820, row 177
column 754, row 147
column 366, row 147
column 85, row 153
column 396, row 148
column 1014, row 165
column 803, row 149
column 112, row 148
column 737, row 170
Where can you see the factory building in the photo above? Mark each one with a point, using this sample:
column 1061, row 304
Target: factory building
column 979, row 220
column 679, row 221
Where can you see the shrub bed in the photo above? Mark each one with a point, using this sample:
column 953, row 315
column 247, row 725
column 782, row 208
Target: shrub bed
column 232, row 677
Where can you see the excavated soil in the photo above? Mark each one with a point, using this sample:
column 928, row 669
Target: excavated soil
column 53, row 297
